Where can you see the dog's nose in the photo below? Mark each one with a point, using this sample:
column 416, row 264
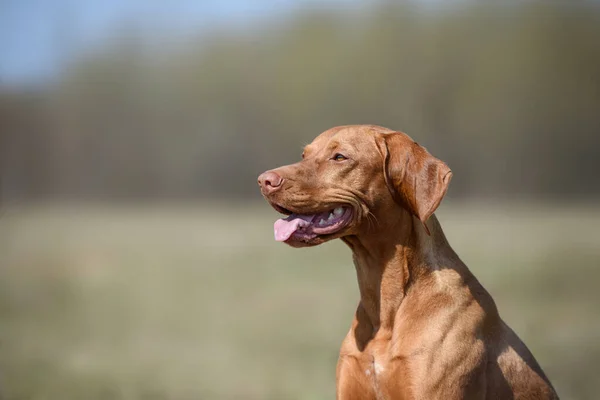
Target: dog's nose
column 269, row 182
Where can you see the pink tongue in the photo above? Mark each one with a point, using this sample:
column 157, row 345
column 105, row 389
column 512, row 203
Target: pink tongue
column 284, row 228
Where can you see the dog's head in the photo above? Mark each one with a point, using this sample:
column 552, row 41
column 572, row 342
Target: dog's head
column 349, row 180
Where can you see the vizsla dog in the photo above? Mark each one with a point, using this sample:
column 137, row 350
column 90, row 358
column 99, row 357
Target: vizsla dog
column 424, row 328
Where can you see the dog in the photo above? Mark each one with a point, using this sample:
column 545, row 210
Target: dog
column 424, row 328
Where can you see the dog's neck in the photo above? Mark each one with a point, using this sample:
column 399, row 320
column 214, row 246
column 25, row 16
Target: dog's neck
column 387, row 263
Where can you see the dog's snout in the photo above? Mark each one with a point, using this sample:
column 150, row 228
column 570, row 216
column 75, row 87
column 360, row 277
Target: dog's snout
column 270, row 181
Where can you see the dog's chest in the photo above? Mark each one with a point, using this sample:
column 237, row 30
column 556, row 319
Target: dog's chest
column 382, row 377
column 377, row 368
column 381, row 370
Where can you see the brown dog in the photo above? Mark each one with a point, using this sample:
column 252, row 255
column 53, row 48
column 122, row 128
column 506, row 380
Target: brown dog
column 425, row 328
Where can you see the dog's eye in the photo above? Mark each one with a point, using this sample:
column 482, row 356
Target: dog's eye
column 339, row 157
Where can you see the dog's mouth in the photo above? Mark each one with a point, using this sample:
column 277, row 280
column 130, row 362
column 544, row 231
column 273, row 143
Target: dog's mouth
column 305, row 227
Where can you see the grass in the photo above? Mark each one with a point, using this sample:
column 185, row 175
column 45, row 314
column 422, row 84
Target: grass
column 107, row 302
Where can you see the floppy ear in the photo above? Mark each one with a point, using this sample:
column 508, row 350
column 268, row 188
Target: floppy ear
column 418, row 181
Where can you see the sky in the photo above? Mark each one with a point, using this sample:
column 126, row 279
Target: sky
column 36, row 36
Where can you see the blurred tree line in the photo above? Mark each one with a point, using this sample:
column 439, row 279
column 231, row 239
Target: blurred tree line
column 507, row 94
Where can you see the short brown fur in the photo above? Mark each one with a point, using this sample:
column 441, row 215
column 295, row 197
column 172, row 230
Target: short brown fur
column 424, row 328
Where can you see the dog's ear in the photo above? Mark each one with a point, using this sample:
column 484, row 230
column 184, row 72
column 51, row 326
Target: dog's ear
column 417, row 180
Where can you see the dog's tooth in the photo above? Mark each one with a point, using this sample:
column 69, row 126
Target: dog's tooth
column 338, row 211
column 331, row 216
column 322, row 222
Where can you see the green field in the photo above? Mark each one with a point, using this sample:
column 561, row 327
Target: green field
column 199, row 302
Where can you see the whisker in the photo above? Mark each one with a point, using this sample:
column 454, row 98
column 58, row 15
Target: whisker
column 372, row 216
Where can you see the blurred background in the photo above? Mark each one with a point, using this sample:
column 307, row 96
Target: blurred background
column 136, row 256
